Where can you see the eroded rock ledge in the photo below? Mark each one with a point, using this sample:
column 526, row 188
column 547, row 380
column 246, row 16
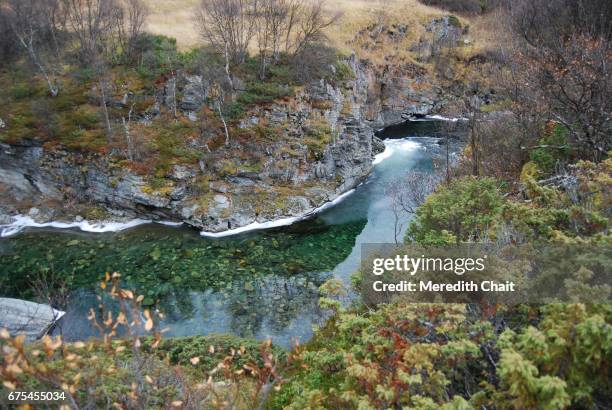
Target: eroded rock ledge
column 293, row 176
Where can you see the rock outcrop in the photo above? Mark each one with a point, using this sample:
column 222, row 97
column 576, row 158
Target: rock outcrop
column 327, row 148
column 21, row 317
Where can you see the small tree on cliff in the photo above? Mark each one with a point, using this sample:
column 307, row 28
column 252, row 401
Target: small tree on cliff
column 32, row 24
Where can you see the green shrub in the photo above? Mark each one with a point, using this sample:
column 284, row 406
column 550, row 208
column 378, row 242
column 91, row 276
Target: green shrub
column 159, row 55
column 546, row 158
column 561, row 362
column 466, row 209
column 233, row 110
column 343, row 71
column 261, row 93
column 281, row 73
column 20, row 126
column 454, row 21
column 86, row 117
column 429, row 356
column 21, row 91
column 318, row 137
column 84, row 74
column 180, row 350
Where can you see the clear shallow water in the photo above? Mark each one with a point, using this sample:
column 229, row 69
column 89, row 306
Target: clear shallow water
column 260, row 284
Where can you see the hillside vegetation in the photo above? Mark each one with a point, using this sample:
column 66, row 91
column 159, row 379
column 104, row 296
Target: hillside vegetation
column 534, row 177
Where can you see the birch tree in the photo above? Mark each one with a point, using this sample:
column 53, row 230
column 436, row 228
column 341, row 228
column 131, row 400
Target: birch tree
column 31, row 24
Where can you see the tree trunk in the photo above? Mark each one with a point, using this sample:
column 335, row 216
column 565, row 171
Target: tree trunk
column 227, row 71
column 474, row 146
column 227, row 136
column 262, row 73
column 128, row 136
column 109, row 131
column 53, row 90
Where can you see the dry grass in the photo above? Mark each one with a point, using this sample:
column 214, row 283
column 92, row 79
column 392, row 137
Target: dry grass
column 174, row 18
column 358, row 14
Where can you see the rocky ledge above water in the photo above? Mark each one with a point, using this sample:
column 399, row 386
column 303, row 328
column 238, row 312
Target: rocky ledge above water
column 321, row 144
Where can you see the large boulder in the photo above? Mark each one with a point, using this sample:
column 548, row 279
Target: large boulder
column 31, row 319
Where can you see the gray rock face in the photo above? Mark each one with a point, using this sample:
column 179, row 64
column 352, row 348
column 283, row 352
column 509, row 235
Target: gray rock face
column 395, row 93
column 446, row 30
column 328, row 165
column 28, row 318
column 194, row 93
column 27, row 171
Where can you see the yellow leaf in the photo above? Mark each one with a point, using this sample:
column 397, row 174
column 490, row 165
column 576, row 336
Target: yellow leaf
column 53, row 345
column 177, row 403
column 194, row 360
column 9, row 385
column 149, row 324
column 211, row 349
column 18, row 341
column 4, row 333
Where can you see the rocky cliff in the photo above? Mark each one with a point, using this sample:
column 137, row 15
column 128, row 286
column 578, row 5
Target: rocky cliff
column 319, row 143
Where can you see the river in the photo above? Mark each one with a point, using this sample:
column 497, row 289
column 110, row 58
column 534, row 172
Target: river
column 261, row 284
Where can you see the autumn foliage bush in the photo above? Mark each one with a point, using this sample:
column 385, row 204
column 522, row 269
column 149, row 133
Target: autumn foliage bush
column 131, row 366
column 446, row 356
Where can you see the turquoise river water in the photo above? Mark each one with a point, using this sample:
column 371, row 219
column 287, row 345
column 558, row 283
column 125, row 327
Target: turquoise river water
column 260, row 284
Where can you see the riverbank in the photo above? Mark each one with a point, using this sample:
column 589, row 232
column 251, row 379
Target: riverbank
column 13, row 224
column 261, row 283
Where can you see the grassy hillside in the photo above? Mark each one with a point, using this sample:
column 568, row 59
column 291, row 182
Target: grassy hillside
column 174, row 18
